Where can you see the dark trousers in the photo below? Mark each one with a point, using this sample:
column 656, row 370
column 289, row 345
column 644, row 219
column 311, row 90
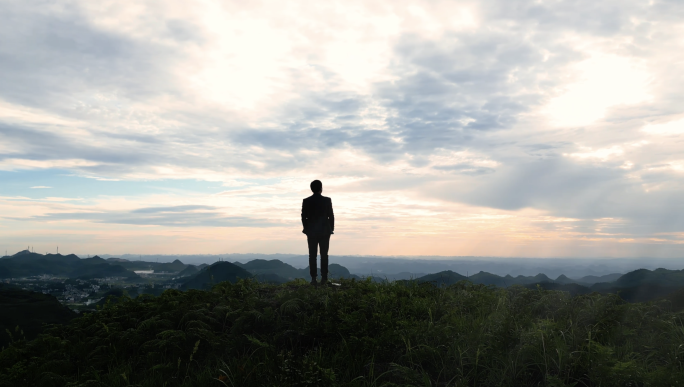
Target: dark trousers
column 314, row 242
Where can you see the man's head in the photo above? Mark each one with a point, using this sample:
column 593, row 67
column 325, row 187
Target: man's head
column 316, row 186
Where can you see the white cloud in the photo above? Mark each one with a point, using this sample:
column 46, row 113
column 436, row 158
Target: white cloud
column 423, row 114
column 603, row 81
column 12, row 164
column 603, row 154
column 40, row 187
column 672, row 128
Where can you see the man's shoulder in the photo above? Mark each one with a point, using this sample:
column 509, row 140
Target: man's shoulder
column 316, row 198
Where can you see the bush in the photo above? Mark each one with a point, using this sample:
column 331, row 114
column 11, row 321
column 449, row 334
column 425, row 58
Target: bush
column 358, row 334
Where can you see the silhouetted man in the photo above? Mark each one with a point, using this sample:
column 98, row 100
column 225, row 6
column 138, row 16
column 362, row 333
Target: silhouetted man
column 319, row 223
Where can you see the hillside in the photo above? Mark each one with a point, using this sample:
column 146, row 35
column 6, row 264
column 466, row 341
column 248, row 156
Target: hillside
column 170, row 267
column 592, row 279
column 447, row 277
column 26, row 264
column 357, row 334
column 212, row 275
column 661, row 277
column 335, row 271
column 275, row 266
column 29, row 311
column 102, row 270
column 188, row 271
column 261, row 267
column 93, row 261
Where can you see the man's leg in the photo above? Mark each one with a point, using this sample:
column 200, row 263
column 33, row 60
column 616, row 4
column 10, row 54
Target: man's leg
column 313, row 252
column 325, row 244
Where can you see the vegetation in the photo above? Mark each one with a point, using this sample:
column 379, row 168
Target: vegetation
column 218, row 272
column 28, row 311
column 360, row 333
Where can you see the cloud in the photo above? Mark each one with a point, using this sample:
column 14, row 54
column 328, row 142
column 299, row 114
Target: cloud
column 571, row 109
column 176, row 216
column 40, row 187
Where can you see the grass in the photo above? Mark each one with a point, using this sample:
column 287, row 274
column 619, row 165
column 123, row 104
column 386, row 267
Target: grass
column 358, row 334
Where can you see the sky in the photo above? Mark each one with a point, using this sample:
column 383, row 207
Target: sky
column 492, row 128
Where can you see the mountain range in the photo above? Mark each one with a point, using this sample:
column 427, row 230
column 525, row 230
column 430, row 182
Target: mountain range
column 635, row 285
column 449, row 277
column 215, row 273
column 27, row 264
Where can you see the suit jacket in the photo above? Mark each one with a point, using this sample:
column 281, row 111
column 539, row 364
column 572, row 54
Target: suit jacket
column 317, row 216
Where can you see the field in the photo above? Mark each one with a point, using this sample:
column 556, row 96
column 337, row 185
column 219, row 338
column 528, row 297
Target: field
column 360, row 333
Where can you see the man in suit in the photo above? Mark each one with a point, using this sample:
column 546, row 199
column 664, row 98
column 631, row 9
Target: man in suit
column 319, row 223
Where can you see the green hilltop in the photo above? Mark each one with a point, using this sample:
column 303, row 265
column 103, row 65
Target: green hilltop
column 357, row 333
column 213, row 274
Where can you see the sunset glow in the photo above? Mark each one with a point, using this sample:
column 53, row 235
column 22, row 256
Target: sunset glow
column 437, row 128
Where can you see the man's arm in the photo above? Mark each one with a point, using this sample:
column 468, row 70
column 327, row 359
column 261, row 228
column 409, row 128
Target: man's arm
column 331, row 217
column 303, row 216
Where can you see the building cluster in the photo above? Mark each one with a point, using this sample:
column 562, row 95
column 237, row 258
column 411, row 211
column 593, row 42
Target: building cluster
column 84, row 292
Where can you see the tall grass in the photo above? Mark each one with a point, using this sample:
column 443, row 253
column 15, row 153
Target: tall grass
column 358, row 334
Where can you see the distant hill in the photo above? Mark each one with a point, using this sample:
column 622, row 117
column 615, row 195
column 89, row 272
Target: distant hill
column 102, row 270
column 489, row 279
column 261, row 267
column 592, row 279
column 26, row 264
column 662, row 277
column 446, row 277
column 189, row 270
column 562, row 279
column 334, row 271
column 631, row 285
column 29, row 311
column 133, row 265
column 643, row 292
column 601, row 286
column 449, row 277
column 218, row 272
column 275, row 266
column 172, row 267
column 93, row 261
column 120, row 260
